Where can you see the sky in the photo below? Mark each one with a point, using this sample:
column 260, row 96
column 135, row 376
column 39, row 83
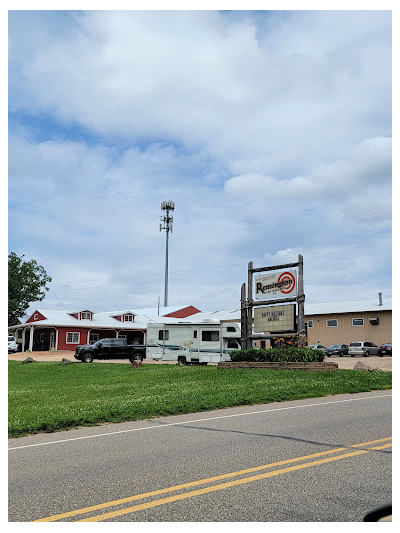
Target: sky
column 270, row 130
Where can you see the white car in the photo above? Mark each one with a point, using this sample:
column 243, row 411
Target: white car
column 12, row 345
column 364, row 348
column 317, row 347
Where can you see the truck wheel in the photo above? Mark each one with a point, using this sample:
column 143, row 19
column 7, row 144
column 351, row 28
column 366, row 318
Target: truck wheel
column 181, row 360
column 87, row 358
column 366, row 354
column 136, row 357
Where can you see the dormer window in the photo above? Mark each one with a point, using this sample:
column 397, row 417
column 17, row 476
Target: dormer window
column 86, row 315
column 128, row 318
column 36, row 316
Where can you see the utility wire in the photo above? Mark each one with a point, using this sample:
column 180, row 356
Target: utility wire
column 228, row 222
column 189, row 269
column 183, row 199
column 185, row 279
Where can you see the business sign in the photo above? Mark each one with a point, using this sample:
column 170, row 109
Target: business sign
column 275, row 318
column 276, row 285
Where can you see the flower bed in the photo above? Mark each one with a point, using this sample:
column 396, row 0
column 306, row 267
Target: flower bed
column 291, row 365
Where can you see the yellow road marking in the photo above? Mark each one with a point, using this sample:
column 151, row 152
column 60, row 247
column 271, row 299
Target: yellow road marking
column 213, row 488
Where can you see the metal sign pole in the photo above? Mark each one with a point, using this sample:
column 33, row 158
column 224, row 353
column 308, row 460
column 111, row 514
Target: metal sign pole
column 243, row 306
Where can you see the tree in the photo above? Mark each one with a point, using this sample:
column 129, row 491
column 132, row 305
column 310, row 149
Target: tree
column 27, row 282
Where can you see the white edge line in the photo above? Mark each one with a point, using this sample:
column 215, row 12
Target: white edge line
column 196, row 420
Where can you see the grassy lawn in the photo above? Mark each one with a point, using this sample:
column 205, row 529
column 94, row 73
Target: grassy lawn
column 51, row 396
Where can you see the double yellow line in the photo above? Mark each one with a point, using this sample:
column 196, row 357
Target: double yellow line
column 367, row 447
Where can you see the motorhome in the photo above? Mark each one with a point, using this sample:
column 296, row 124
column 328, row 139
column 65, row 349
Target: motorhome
column 209, row 341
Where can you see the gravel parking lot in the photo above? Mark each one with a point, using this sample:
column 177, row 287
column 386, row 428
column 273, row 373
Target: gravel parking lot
column 381, row 363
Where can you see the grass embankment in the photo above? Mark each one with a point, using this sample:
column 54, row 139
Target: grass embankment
column 50, row 396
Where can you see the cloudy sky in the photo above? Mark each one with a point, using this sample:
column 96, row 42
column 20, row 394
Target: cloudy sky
column 271, row 131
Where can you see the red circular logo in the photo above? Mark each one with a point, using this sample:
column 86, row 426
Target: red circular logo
column 288, row 282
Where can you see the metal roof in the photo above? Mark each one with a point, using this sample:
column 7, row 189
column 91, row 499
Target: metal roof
column 144, row 316
column 357, row 306
column 104, row 319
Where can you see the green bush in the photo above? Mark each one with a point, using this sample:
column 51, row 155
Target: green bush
column 278, row 355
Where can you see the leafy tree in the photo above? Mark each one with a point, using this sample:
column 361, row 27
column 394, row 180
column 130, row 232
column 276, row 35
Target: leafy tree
column 27, row 282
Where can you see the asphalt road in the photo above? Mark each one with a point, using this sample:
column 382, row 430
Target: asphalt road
column 315, row 460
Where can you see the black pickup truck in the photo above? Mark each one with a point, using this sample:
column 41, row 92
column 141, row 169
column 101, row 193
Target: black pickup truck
column 110, row 349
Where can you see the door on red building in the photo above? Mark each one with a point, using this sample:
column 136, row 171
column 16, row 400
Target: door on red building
column 52, row 340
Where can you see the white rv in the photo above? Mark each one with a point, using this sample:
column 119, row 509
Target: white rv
column 209, row 341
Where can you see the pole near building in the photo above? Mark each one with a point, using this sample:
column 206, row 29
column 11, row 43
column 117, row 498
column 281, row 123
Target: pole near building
column 166, row 223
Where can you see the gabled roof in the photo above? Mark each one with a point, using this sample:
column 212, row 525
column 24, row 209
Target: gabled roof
column 105, row 319
column 99, row 320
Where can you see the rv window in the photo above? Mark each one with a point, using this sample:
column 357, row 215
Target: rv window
column 210, row 336
column 232, row 343
column 160, row 335
column 231, row 328
column 195, row 334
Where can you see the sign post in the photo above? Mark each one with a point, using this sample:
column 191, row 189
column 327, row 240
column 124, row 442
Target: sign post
column 272, row 288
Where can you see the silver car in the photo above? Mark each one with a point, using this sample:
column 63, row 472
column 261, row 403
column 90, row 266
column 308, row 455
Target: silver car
column 317, row 347
column 364, row 348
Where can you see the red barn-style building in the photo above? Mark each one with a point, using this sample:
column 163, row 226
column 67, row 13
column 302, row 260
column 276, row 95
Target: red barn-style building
column 62, row 330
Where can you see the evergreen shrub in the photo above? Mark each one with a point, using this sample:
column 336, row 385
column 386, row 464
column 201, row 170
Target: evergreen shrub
column 278, row 355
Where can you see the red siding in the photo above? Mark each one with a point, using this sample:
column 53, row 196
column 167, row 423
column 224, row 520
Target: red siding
column 40, row 317
column 183, row 313
column 62, row 337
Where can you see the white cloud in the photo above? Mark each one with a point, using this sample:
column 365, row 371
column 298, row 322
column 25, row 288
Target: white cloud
column 270, row 130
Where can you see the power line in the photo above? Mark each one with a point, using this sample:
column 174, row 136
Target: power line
column 227, row 222
column 184, row 199
column 186, row 279
column 230, row 265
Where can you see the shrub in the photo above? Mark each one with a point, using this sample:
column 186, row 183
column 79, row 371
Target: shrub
column 278, row 355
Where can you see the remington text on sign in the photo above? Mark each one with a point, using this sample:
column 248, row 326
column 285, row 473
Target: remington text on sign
column 276, row 285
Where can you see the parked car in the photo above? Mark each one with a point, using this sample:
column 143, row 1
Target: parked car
column 337, row 349
column 116, row 348
column 12, row 345
column 317, row 347
column 385, row 349
column 364, row 348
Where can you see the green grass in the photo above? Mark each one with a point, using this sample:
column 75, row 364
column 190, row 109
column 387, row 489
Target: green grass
column 47, row 397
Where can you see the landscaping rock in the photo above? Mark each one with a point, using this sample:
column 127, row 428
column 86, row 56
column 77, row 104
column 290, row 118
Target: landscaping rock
column 65, row 361
column 364, row 367
column 29, row 360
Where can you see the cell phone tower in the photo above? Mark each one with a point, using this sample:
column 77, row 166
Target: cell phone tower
column 166, row 223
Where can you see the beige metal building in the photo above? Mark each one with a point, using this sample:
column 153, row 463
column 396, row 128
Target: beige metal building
column 345, row 322
column 335, row 323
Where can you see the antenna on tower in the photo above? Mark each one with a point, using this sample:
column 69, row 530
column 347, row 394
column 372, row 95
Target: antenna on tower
column 166, row 223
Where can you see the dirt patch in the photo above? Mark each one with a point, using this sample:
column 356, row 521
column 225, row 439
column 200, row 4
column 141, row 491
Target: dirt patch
column 66, row 354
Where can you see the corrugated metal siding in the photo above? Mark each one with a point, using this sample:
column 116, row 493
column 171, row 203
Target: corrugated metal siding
column 345, row 332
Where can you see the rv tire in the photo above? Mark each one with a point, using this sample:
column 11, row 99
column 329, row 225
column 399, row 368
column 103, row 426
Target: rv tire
column 181, row 360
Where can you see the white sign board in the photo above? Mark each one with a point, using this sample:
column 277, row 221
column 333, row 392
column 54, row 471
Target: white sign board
column 276, row 285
